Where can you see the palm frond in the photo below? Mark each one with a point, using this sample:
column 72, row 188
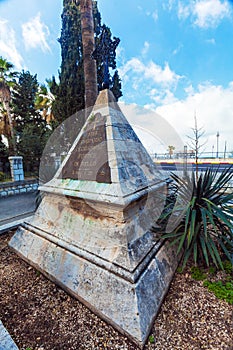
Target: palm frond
column 206, row 230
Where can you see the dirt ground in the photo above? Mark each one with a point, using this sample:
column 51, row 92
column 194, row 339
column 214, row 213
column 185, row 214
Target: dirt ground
column 41, row 316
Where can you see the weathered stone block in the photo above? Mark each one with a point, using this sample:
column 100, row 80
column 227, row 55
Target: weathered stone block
column 129, row 301
column 92, row 231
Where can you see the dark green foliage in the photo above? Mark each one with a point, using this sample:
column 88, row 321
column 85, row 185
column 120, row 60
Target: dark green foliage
column 31, row 144
column 32, row 129
column 151, row 339
column 96, row 18
column 222, row 290
column 197, row 274
column 206, row 233
column 24, row 96
column 69, row 92
column 212, row 270
column 228, row 267
column 116, row 86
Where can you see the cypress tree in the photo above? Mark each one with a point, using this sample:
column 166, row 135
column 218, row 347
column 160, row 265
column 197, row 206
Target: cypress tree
column 70, row 91
column 116, row 85
column 23, row 97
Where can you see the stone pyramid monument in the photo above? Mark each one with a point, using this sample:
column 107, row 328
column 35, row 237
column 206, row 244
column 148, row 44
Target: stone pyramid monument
column 92, row 233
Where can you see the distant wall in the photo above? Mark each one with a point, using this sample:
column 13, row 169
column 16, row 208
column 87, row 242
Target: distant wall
column 17, row 187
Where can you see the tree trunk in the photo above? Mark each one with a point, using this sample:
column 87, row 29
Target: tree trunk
column 90, row 75
column 5, row 97
column 12, row 146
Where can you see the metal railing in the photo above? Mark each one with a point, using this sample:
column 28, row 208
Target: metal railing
column 191, row 155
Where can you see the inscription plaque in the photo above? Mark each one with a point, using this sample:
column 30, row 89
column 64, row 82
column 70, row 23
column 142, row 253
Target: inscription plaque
column 89, row 159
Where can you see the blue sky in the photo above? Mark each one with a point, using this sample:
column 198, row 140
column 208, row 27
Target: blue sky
column 175, row 57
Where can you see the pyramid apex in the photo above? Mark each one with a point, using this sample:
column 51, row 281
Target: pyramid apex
column 106, row 97
column 107, row 153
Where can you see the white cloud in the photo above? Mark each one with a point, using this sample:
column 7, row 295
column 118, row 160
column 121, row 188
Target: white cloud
column 155, row 16
column 161, row 75
column 120, row 54
column 155, row 132
column 145, row 48
column 204, row 13
column 151, row 71
column 8, row 48
column 156, row 82
column 168, row 5
column 177, row 49
column 162, row 96
column 35, row 34
column 214, row 109
column 183, row 10
column 210, row 12
column 211, row 41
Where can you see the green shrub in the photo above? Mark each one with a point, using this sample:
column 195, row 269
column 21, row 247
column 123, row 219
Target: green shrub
column 222, row 290
column 151, row 339
column 197, row 274
column 228, row 267
column 212, row 270
column 206, row 232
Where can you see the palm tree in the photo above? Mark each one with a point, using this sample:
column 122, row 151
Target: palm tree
column 6, row 82
column 44, row 101
column 171, row 150
column 90, row 74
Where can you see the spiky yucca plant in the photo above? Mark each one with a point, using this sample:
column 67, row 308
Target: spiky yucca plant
column 206, row 231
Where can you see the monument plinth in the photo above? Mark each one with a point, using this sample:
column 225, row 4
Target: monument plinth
column 92, row 233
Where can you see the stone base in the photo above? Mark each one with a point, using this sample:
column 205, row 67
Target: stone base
column 129, row 301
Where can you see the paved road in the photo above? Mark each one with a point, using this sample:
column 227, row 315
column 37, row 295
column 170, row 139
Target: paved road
column 202, row 166
column 16, row 206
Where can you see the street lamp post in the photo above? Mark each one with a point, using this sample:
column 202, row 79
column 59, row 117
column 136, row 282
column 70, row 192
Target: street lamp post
column 217, row 143
column 225, row 150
